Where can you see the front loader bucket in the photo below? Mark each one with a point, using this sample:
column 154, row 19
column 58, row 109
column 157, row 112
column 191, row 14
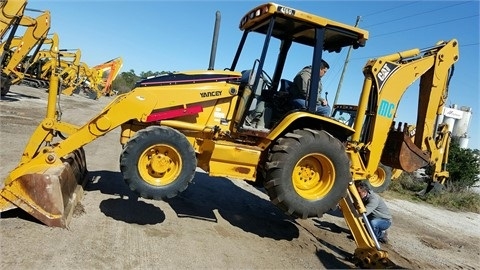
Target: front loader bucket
column 401, row 153
column 50, row 193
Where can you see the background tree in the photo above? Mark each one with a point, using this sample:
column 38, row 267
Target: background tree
column 125, row 81
column 463, row 166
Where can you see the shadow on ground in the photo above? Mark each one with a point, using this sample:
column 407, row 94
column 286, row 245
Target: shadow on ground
column 13, row 96
column 204, row 195
column 236, row 205
column 127, row 207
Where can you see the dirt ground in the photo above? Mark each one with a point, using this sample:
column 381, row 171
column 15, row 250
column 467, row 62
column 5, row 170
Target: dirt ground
column 216, row 223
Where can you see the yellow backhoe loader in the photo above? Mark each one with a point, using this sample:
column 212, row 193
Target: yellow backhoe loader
column 173, row 123
column 12, row 57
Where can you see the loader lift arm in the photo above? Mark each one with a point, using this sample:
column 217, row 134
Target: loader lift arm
column 54, row 142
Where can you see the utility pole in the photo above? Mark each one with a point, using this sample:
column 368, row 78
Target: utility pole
column 344, row 69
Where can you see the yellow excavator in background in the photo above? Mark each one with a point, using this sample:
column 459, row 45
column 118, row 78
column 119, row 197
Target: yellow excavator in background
column 76, row 76
column 94, row 82
column 173, row 123
column 35, row 76
column 86, row 83
column 70, row 62
column 13, row 57
column 107, row 72
column 10, row 14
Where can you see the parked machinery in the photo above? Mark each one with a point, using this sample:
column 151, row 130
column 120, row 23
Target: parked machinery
column 107, row 72
column 15, row 50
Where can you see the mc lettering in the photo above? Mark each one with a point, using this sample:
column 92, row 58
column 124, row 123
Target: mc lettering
column 386, row 109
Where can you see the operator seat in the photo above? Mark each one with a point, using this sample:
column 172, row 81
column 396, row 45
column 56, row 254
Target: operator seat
column 259, row 115
column 285, row 85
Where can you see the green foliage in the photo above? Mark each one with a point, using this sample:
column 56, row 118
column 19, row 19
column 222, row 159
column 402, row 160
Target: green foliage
column 406, row 181
column 125, row 81
column 463, row 166
column 406, row 187
column 464, row 200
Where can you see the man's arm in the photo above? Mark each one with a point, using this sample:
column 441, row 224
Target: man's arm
column 305, row 87
column 372, row 203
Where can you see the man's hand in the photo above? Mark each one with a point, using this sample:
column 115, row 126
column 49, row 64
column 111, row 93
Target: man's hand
column 323, row 102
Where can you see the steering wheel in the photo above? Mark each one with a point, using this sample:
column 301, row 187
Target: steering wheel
column 267, row 79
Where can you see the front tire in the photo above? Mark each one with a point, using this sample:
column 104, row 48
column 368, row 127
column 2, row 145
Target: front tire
column 308, row 172
column 158, row 162
column 380, row 181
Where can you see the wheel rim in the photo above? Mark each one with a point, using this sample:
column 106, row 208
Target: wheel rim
column 160, row 165
column 313, row 176
column 378, row 179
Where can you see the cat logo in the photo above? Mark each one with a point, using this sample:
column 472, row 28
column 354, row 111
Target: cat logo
column 211, row 94
column 385, row 72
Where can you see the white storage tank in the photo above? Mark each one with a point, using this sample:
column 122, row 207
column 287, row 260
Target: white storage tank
column 460, row 128
column 451, row 115
column 463, row 142
column 458, row 121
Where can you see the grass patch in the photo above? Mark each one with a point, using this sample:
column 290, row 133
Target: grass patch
column 407, row 188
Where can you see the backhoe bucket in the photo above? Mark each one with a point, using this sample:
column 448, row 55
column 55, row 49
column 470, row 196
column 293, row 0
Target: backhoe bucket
column 401, row 153
column 50, row 193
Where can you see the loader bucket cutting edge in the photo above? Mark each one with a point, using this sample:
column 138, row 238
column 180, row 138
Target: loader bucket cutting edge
column 50, row 194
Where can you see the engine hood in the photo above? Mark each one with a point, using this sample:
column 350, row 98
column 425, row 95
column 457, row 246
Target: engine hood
column 187, row 77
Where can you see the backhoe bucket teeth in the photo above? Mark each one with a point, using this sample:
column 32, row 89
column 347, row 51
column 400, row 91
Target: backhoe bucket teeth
column 401, row 153
column 51, row 193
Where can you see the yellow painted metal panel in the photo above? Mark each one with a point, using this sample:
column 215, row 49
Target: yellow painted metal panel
column 234, row 161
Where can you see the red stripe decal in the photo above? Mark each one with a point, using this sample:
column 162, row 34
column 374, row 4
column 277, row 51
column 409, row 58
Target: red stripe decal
column 158, row 116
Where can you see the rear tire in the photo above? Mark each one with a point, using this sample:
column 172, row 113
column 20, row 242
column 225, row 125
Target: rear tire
column 381, row 180
column 308, row 172
column 158, row 162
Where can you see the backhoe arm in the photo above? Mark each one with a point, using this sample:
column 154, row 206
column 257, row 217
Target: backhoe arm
column 378, row 138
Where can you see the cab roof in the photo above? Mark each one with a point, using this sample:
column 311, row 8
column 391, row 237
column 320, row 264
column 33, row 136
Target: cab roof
column 300, row 26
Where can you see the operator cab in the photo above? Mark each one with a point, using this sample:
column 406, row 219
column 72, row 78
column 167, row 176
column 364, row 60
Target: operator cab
column 291, row 40
column 345, row 114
